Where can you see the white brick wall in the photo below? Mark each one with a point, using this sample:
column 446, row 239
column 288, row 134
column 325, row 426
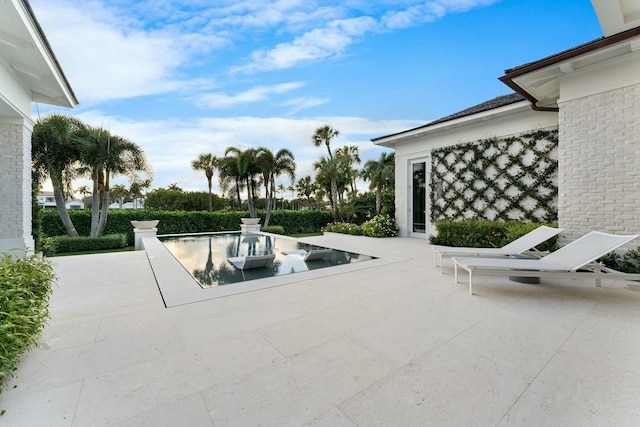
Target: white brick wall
column 599, row 163
column 15, row 186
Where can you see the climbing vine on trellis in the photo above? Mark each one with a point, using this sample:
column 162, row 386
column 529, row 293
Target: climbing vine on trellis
column 513, row 178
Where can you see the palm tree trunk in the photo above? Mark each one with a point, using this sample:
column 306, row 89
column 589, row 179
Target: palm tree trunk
column 334, row 199
column 95, row 204
column 62, row 209
column 105, row 204
column 210, row 196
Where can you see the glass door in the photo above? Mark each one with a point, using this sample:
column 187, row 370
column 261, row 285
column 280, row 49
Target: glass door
column 418, row 183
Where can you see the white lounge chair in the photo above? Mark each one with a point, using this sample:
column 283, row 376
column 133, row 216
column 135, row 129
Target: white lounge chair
column 251, row 261
column 518, row 246
column 572, row 260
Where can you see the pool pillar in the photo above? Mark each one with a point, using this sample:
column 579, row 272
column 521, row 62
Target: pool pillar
column 249, row 228
column 143, row 232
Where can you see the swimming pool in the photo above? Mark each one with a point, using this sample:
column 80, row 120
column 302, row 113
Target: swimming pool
column 206, row 256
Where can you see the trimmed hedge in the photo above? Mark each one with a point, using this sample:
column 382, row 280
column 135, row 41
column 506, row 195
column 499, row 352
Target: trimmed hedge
column 178, row 222
column 64, row 244
column 485, row 234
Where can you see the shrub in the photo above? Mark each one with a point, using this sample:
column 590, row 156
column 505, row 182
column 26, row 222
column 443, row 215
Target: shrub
column 627, row 263
column 25, row 288
column 380, row 226
column 64, row 244
column 485, row 234
column 343, row 228
column 275, row 229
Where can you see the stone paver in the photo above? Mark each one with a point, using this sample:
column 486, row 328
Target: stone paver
column 393, row 344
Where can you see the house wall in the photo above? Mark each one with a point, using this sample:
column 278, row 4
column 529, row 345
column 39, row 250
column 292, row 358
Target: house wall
column 15, row 184
column 599, row 149
column 506, row 121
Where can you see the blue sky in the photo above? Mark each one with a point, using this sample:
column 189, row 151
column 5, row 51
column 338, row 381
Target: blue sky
column 183, row 77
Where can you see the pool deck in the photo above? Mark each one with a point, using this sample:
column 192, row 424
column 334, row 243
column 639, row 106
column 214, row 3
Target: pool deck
column 393, row 344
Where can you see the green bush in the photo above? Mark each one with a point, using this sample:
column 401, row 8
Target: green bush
column 343, row 228
column 485, row 234
column 25, row 288
column 275, row 229
column 627, row 263
column 63, row 244
column 380, row 226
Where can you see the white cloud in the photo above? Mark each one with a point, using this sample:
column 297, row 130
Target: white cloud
column 424, row 12
column 299, row 104
column 320, row 43
column 255, row 94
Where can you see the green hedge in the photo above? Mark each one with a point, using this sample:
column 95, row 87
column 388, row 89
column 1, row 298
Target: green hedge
column 177, row 222
column 25, row 288
column 485, row 234
column 62, row 244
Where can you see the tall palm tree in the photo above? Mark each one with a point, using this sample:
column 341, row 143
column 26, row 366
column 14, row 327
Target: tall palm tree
column 136, row 188
column 229, row 177
column 325, row 134
column 105, row 156
column 281, row 189
column 248, row 170
column 208, row 163
column 350, row 154
column 271, row 167
column 380, row 174
column 327, row 172
column 306, row 186
column 54, row 155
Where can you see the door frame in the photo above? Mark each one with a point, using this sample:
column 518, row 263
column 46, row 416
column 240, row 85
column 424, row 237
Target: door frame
column 427, row 202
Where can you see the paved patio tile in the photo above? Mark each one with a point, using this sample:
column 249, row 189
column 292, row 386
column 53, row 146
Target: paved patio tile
column 573, row 391
column 446, row 387
column 395, row 343
column 297, row 390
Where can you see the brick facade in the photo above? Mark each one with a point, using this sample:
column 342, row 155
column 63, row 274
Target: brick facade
column 599, row 162
column 15, row 186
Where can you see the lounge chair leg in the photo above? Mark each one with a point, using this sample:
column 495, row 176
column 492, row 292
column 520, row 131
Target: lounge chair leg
column 435, row 261
column 441, row 265
column 455, row 271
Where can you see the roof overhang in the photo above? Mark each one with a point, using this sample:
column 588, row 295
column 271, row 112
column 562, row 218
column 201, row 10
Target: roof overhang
column 539, row 81
column 617, row 16
column 26, row 54
column 391, row 141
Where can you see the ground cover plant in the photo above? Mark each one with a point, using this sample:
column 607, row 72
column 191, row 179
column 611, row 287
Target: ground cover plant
column 25, row 288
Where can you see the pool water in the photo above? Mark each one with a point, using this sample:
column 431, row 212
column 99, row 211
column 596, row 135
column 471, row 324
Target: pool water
column 205, row 256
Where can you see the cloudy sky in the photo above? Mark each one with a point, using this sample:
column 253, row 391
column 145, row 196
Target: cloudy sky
column 183, row 77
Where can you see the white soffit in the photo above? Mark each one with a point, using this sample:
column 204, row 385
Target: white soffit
column 25, row 53
column 616, row 16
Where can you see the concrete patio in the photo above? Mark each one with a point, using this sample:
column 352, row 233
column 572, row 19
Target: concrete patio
column 393, row 344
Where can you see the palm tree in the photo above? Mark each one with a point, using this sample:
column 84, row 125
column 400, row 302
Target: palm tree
column 350, row 154
column 247, row 169
column 54, row 155
column 119, row 192
column 107, row 155
column 325, row 134
column 327, row 172
column 271, row 167
column 281, row 190
column 306, row 186
column 380, row 175
column 208, row 163
column 229, row 177
column 136, row 188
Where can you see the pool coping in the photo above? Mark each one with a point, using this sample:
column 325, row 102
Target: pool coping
column 177, row 286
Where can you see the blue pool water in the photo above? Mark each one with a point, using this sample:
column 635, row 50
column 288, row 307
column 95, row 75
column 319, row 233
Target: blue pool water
column 205, row 256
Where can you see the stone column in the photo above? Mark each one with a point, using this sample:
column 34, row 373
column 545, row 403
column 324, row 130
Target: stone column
column 15, row 184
